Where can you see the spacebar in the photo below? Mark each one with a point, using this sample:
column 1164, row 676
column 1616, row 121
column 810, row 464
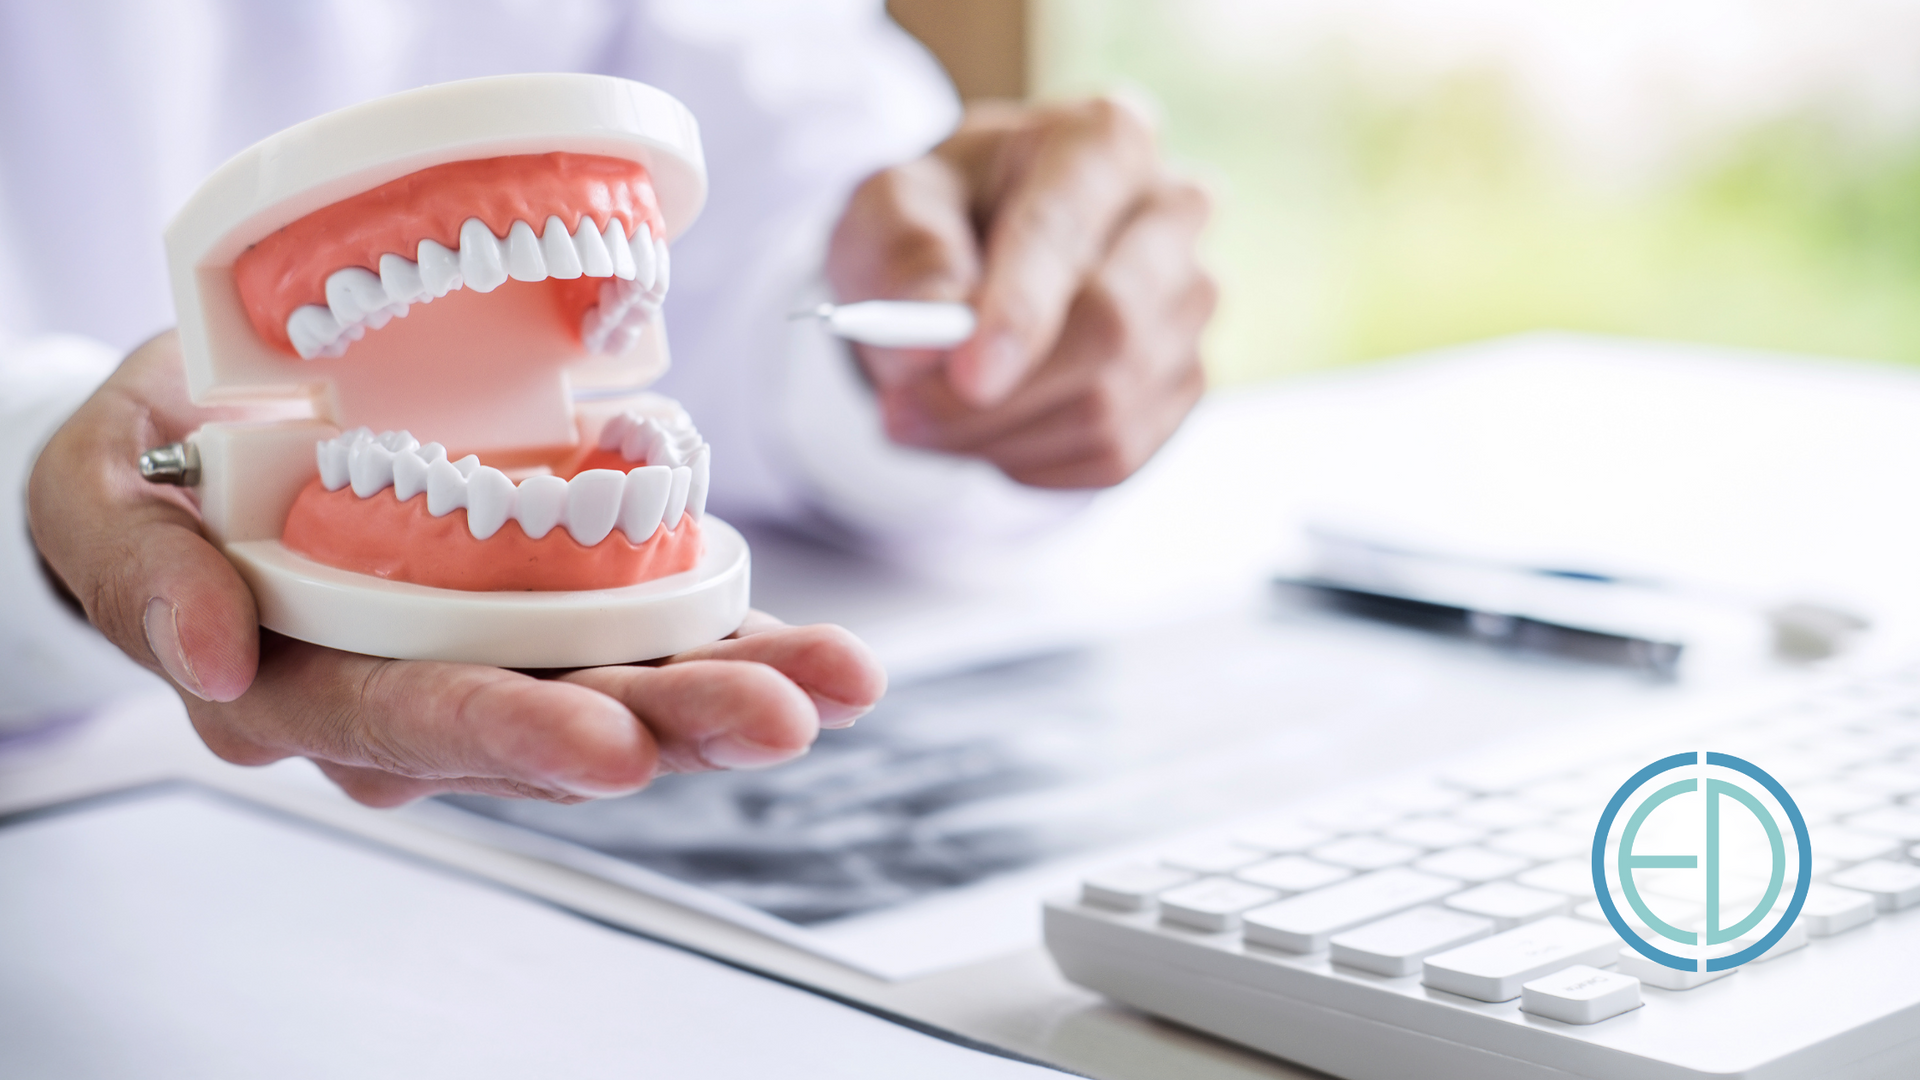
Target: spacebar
column 1492, row 969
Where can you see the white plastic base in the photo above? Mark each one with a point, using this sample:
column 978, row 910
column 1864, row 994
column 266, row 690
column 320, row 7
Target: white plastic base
column 359, row 613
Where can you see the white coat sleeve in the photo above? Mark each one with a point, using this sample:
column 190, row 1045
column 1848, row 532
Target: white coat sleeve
column 53, row 665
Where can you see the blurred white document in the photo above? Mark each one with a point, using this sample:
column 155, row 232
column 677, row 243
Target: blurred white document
column 177, row 933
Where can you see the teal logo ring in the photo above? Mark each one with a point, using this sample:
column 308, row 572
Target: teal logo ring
column 1712, row 933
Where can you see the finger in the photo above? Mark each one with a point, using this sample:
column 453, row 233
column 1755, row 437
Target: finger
column 384, row 789
column 904, row 236
column 1050, row 459
column 1140, row 310
column 1066, row 184
column 431, row 722
column 713, row 714
column 836, row 669
column 135, row 557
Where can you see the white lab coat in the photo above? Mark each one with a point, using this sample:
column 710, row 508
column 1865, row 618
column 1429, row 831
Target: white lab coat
column 112, row 111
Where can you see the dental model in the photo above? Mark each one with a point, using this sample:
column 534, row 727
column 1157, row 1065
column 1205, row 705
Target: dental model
column 459, row 264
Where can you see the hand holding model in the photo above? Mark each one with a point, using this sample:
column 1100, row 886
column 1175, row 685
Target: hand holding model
column 1084, row 362
column 1076, row 248
column 390, row 731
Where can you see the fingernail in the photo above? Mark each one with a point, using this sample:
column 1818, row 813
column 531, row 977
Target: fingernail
column 837, row 714
column 735, row 752
column 161, row 624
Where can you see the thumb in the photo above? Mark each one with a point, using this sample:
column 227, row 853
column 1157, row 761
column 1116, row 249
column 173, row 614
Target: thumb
column 182, row 601
column 134, row 556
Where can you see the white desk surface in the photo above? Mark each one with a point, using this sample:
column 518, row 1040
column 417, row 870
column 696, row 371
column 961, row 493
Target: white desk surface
column 1767, row 476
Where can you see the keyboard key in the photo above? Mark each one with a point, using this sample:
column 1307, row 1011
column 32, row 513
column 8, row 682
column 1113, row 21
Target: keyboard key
column 1501, row 813
column 1571, row 876
column 1213, row 858
column 1291, row 874
column 1510, row 905
column 1892, row 885
column 1587, row 794
column 1435, row 833
column 1650, row 973
column 1846, row 846
column 1581, row 994
column 1831, row 910
column 1542, row 844
column 1794, row 938
column 1883, row 779
column 1674, row 912
column 1494, row 968
column 1471, row 864
column 1304, row 923
column 1691, row 886
column 1131, row 888
column 1423, row 798
column 1397, row 944
column 1213, row 904
column 1365, row 853
column 1353, row 817
column 1902, row 823
column 1825, row 802
column 1281, row 837
column 1493, row 776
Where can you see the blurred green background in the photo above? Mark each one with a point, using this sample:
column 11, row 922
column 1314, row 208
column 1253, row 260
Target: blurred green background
column 1394, row 175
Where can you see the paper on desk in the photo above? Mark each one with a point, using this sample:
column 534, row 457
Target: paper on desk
column 924, row 837
column 179, row 934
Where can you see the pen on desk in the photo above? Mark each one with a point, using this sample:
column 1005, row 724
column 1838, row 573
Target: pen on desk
column 896, row 324
column 1527, row 634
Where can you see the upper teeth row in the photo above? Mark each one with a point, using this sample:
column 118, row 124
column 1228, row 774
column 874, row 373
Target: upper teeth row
column 359, row 300
column 589, row 506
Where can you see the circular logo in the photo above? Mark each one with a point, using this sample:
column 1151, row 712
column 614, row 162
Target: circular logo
column 1725, row 897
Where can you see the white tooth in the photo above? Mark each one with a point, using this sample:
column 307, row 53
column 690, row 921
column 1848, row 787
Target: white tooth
column 524, row 261
column 593, row 504
column 563, row 260
column 409, row 474
column 483, row 267
column 638, row 443
column 400, row 280
column 615, row 237
column 616, row 429
column 645, row 501
column 619, row 339
column 489, row 501
column 663, row 271
column 333, row 463
column 370, row 466
column 677, row 499
column 539, row 503
column 432, row 452
column 594, row 260
column 397, row 441
column 313, row 330
column 446, row 488
column 355, row 295
column 439, row 268
column 466, row 465
column 697, row 487
column 640, row 249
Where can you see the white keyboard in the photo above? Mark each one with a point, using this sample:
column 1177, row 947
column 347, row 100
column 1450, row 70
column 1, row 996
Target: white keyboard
column 1448, row 928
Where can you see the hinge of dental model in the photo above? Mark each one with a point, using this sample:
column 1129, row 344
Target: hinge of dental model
column 359, row 300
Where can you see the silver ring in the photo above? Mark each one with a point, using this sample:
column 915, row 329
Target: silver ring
column 174, row 463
